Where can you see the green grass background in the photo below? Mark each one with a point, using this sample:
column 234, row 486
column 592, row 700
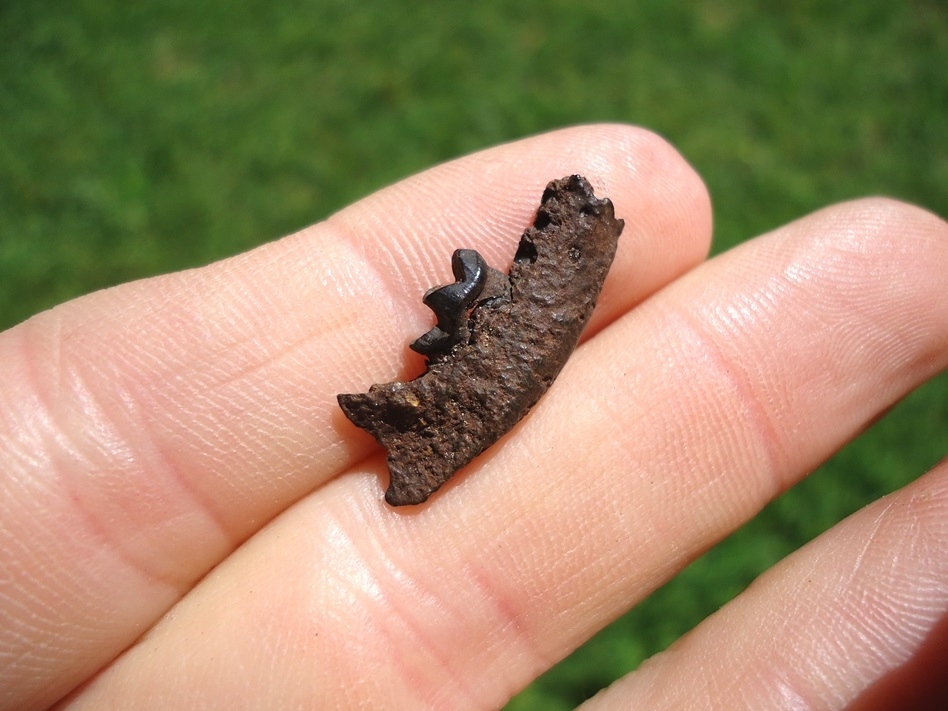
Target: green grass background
column 138, row 138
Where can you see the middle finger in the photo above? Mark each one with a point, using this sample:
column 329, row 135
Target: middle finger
column 664, row 433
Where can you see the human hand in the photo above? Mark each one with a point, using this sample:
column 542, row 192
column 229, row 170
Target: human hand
column 188, row 521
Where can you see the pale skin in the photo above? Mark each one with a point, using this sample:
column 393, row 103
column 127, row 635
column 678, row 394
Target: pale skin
column 188, row 521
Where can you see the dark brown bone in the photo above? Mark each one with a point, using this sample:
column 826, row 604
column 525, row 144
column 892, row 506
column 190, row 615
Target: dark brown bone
column 502, row 356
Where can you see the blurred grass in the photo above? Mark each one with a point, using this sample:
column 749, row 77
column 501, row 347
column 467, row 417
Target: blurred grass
column 142, row 138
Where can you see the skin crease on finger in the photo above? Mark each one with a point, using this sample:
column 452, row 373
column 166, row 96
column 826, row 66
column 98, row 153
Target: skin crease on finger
column 148, row 429
column 759, row 365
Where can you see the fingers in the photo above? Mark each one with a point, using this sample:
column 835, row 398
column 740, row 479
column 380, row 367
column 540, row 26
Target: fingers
column 665, row 432
column 828, row 625
column 146, row 429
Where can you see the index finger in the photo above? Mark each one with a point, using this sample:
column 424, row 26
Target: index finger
column 146, row 430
